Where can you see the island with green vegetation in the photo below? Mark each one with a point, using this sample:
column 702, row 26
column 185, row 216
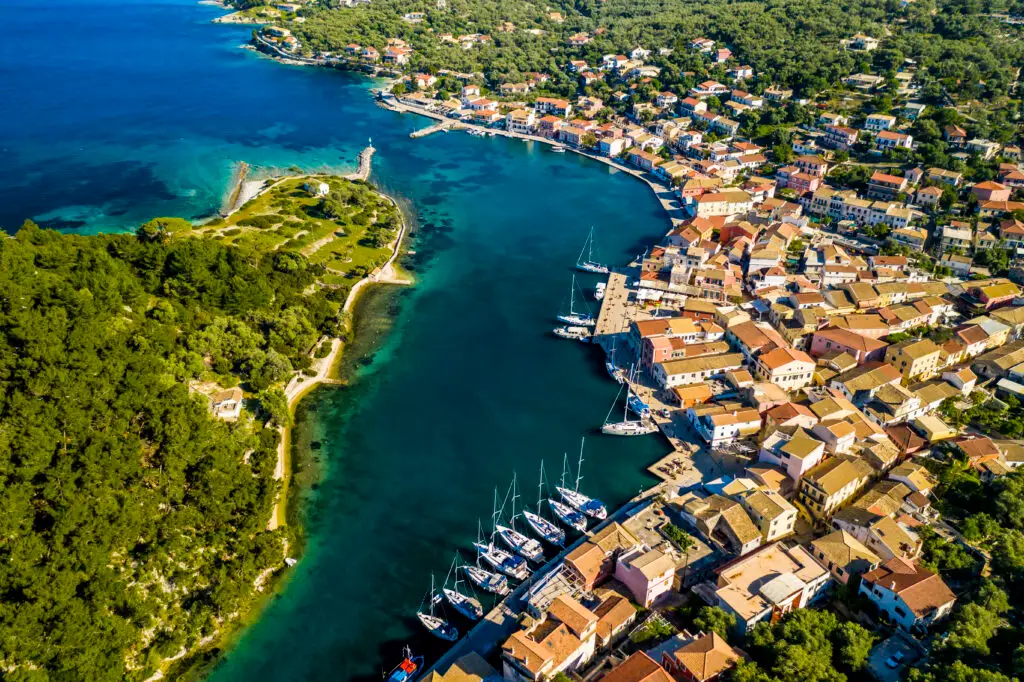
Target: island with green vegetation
column 136, row 488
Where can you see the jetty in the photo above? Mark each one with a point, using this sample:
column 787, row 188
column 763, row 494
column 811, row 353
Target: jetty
column 236, row 196
column 365, row 161
column 443, row 126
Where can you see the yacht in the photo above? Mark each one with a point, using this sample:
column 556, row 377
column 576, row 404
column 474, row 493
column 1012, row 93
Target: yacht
column 568, row 515
column 526, row 547
column 574, row 498
column 434, row 624
column 581, row 334
column 464, row 604
column 591, row 507
column 572, row 317
column 629, row 427
column 599, row 291
column 558, row 149
column 588, row 264
column 547, row 531
column 495, row 583
column 505, row 562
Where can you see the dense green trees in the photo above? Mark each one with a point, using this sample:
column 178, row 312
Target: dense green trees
column 808, row 645
column 133, row 522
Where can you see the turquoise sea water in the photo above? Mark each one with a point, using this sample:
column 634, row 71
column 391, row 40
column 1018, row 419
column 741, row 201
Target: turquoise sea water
column 118, row 111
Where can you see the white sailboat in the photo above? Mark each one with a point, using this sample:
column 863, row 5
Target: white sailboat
column 508, row 563
column 588, row 264
column 574, row 318
column 574, row 498
column 495, row 583
column 547, row 531
column 629, row 427
column 581, row 334
column 469, row 607
column 568, row 515
column 524, row 546
column 613, row 371
column 436, row 625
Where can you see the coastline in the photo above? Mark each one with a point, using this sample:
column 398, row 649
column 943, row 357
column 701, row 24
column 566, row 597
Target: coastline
column 326, row 367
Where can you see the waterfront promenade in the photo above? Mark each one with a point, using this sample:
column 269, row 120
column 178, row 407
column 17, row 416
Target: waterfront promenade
column 663, row 192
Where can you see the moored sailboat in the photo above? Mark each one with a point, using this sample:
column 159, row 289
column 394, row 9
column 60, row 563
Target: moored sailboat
column 574, row 498
column 588, row 264
column 434, row 624
column 568, row 515
column 630, row 427
column 469, row 607
column 574, row 318
column 524, row 546
column 495, row 583
column 547, row 530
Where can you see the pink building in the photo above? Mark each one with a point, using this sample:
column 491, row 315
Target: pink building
column 862, row 348
column 647, row 574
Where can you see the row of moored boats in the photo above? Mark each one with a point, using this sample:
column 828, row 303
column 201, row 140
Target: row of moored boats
column 508, row 554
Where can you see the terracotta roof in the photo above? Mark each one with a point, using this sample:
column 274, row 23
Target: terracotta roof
column 780, row 357
column 707, row 657
column 976, row 447
column 638, row 668
column 613, row 613
column 920, row 589
column 849, row 339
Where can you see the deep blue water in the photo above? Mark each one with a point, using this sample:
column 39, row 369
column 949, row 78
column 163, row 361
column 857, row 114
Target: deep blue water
column 120, row 111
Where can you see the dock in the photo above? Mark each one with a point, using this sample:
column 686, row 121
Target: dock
column 504, row 619
column 442, row 127
column 616, row 308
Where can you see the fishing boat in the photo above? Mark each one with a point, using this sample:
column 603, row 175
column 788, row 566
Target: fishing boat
column 588, row 264
column 574, row 498
column 629, row 427
column 581, row 334
column 434, row 624
column 524, row 546
column 599, row 291
column 407, row 670
column 469, row 607
column 495, row 583
column 572, row 317
column 568, row 515
column 547, row 530
column 558, row 149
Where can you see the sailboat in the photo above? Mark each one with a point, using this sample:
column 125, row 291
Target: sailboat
column 547, row 531
column 436, row 625
column 574, row 498
column 495, row 583
column 629, row 427
column 469, row 607
column 613, row 371
column 568, row 515
column 524, row 546
column 589, row 264
column 574, row 318
column 504, row 562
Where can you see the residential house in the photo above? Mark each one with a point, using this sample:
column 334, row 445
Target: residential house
column 844, row 555
column 639, row 667
column 911, row 596
column 564, row 640
column 706, row 658
column 766, row 584
column 863, row 349
column 828, row 486
column 914, row 358
column 646, row 573
column 785, row 367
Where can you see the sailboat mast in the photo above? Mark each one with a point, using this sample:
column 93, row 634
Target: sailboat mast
column 572, row 296
column 540, row 486
column 565, row 466
column 512, row 516
column 579, row 466
column 590, row 241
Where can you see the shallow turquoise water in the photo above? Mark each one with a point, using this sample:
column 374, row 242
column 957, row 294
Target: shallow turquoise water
column 467, row 387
